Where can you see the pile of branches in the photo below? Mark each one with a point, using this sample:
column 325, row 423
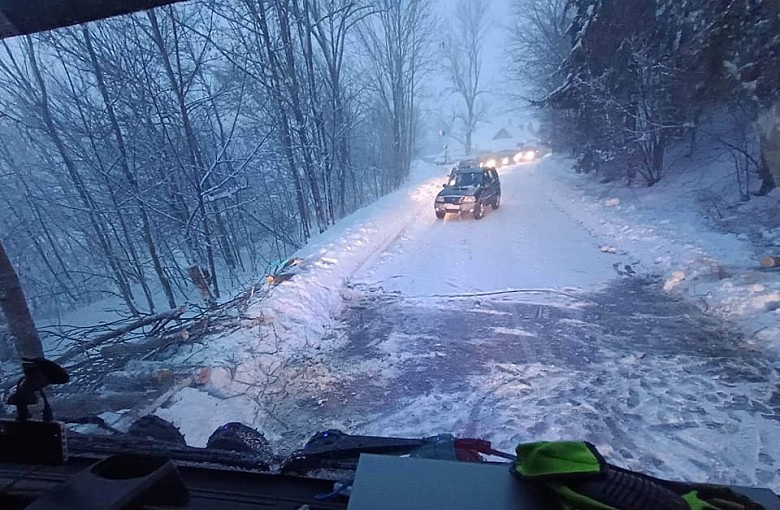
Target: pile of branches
column 147, row 336
column 138, row 358
column 89, row 353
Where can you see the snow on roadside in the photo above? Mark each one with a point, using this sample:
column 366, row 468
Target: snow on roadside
column 286, row 340
column 663, row 231
column 303, row 306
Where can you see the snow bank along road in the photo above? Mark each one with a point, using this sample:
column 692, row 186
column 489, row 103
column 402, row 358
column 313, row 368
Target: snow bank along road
column 511, row 328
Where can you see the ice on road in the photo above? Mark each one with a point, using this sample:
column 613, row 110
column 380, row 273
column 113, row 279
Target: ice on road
column 525, row 244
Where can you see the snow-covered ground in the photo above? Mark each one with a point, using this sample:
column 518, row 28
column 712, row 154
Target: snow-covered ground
column 521, row 325
column 671, row 230
column 520, row 246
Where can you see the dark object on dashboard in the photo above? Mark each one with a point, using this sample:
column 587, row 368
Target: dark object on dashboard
column 38, row 374
column 337, row 450
column 32, row 442
column 117, row 483
column 210, row 486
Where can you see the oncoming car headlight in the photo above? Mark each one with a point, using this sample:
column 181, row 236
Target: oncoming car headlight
column 518, row 157
column 490, row 163
column 529, row 155
column 469, row 199
column 505, row 161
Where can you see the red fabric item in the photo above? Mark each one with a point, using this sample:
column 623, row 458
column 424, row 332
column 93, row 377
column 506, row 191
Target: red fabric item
column 469, row 450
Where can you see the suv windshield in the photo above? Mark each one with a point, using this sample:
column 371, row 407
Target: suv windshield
column 466, row 179
column 233, row 211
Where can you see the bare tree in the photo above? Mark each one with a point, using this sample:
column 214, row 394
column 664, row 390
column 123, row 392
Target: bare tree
column 219, row 135
column 395, row 39
column 539, row 44
column 463, row 57
column 124, row 164
column 31, row 93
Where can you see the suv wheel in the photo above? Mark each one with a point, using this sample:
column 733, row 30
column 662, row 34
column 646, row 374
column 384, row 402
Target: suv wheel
column 440, row 214
column 497, row 202
column 479, row 211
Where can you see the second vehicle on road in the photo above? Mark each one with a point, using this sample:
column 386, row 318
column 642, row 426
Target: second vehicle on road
column 469, row 190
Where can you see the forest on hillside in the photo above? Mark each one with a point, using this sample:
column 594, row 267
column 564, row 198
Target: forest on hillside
column 205, row 136
column 618, row 83
column 208, row 139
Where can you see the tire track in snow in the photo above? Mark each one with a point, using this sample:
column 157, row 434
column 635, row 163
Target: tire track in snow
column 621, row 378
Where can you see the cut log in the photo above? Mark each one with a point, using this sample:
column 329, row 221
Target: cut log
column 143, row 380
column 284, row 271
column 202, row 376
column 770, row 261
column 200, row 277
column 72, row 406
column 275, row 279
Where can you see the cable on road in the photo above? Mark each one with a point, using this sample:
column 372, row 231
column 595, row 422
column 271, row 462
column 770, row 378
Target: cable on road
column 502, row 292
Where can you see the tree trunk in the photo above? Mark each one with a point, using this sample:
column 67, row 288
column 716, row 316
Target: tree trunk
column 78, row 183
column 194, row 152
column 768, row 182
column 275, row 87
column 17, row 314
column 209, row 247
column 299, row 128
column 129, row 175
column 768, row 130
column 658, row 159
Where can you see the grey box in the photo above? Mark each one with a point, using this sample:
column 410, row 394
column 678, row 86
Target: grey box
column 385, row 483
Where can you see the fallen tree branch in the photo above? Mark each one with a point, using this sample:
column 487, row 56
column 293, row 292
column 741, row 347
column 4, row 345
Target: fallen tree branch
column 183, row 334
column 151, row 319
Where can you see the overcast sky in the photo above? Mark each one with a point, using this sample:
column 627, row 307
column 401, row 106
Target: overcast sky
column 496, row 41
column 502, row 112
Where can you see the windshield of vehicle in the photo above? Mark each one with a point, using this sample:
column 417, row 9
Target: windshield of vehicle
column 232, row 211
column 466, row 179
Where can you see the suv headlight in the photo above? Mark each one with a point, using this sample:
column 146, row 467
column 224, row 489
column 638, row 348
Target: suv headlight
column 439, row 200
column 469, row 199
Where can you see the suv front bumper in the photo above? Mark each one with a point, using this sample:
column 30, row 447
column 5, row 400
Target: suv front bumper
column 467, row 207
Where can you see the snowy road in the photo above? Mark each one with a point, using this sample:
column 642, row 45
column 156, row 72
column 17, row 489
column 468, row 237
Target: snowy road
column 517, row 327
column 526, row 243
